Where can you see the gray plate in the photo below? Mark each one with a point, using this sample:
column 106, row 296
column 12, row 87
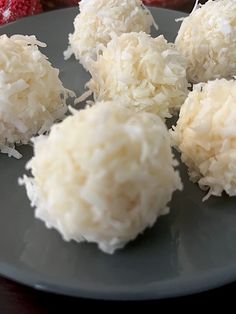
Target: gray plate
column 190, row 250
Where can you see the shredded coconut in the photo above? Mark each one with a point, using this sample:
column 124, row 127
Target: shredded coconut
column 206, row 136
column 141, row 72
column 103, row 175
column 99, row 19
column 207, row 39
column 31, row 94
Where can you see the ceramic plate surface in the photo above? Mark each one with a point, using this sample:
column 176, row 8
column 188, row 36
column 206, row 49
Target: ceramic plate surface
column 192, row 249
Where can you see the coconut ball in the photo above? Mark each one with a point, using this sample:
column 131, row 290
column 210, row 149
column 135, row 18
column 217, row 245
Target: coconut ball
column 103, row 175
column 205, row 135
column 142, row 72
column 99, row 19
column 207, row 39
column 32, row 95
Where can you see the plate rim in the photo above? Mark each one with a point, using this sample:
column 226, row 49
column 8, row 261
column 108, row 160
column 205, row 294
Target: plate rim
column 163, row 289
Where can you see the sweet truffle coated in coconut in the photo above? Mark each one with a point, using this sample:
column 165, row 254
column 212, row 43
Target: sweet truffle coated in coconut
column 32, row 95
column 99, row 19
column 207, row 39
column 205, row 135
column 143, row 73
column 103, row 175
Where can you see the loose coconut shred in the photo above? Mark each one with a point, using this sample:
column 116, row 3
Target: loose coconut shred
column 32, row 95
column 206, row 136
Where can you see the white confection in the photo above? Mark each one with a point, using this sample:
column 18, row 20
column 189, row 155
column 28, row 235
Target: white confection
column 206, row 136
column 207, row 39
column 103, row 175
column 142, row 72
column 31, row 94
column 99, row 19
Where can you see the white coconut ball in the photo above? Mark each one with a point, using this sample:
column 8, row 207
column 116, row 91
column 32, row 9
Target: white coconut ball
column 99, row 19
column 142, row 72
column 103, row 175
column 207, row 39
column 205, row 135
column 32, row 95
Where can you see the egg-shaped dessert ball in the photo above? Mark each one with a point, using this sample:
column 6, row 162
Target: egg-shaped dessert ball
column 205, row 135
column 144, row 73
column 207, row 39
column 99, row 19
column 32, row 95
column 103, row 175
